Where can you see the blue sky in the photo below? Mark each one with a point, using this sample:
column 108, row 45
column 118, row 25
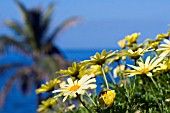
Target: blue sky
column 105, row 22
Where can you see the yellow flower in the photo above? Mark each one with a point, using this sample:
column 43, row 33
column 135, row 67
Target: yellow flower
column 49, row 86
column 165, row 48
column 133, row 54
column 46, row 105
column 118, row 70
column 77, row 86
column 152, row 44
column 100, row 59
column 122, row 43
column 106, row 97
column 132, row 38
column 165, row 65
column 144, row 68
column 162, row 36
column 97, row 70
column 77, row 70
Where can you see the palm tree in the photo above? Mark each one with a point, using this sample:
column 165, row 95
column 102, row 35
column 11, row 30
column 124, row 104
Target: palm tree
column 35, row 41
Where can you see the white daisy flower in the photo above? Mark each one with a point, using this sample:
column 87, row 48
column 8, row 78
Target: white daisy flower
column 165, row 48
column 77, row 86
column 145, row 68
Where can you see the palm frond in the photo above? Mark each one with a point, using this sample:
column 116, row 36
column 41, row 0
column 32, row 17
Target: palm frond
column 66, row 24
column 26, row 18
column 7, row 41
column 23, row 9
column 14, row 26
column 10, row 82
column 8, row 66
column 46, row 18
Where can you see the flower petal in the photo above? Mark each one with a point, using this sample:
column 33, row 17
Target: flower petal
column 70, row 81
column 147, row 61
column 149, row 74
column 167, row 41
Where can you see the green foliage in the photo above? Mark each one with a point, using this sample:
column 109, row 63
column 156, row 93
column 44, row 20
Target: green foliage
column 145, row 89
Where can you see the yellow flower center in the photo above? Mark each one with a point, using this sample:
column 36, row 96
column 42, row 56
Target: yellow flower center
column 74, row 88
column 144, row 70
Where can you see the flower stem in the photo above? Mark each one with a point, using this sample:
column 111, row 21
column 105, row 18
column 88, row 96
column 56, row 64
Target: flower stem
column 134, row 83
column 83, row 103
column 104, row 75
column 91, row 99
column 154, row 83
column 113, row 80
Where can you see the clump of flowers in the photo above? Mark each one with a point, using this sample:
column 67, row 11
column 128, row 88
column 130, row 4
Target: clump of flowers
column 134, row 79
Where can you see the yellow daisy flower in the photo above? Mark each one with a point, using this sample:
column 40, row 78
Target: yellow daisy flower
column 152, row 43
column 132, row 38
column 162, row 36
column 122, row 43
column 100, row 59
column 97, row 70
column 144, row 68
column 106, row 97
column 49, row 86
column 165, row 48
column 133, row 54
column 77, row 70
column 46, row 105
column 77, row 86
column 164, row 66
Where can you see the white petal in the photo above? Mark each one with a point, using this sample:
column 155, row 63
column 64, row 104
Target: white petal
column 135, row 67
column 149, row 74
column 147, row 61
column 84, row 79
column 65, row 98
column 164, row 46
column 75, row 82
column 80, row 91
column 141, row 65
column 115, row 72
column 92, row 86
column 90, row 81
column 59, row 90
column 70, row 81
column 156, row 63
column 161, row 49
column 167, row 41
column 165, row 53
column 153, row 59
column 67, row 93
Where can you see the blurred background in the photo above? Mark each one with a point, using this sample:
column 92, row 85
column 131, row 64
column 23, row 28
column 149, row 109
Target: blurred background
column 39, row 37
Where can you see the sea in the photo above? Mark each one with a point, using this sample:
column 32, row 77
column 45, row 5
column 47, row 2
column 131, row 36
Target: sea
column 16, row 102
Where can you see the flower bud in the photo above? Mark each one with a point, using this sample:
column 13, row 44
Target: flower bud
column 106, row 97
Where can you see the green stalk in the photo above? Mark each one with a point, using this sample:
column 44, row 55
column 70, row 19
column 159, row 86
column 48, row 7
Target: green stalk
column 83, row 103
column 158, row 89
column 134, row 83
column 104, row 76
column 91, row 99
column 113, row 80
column 154, row 83
column 156, row 98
